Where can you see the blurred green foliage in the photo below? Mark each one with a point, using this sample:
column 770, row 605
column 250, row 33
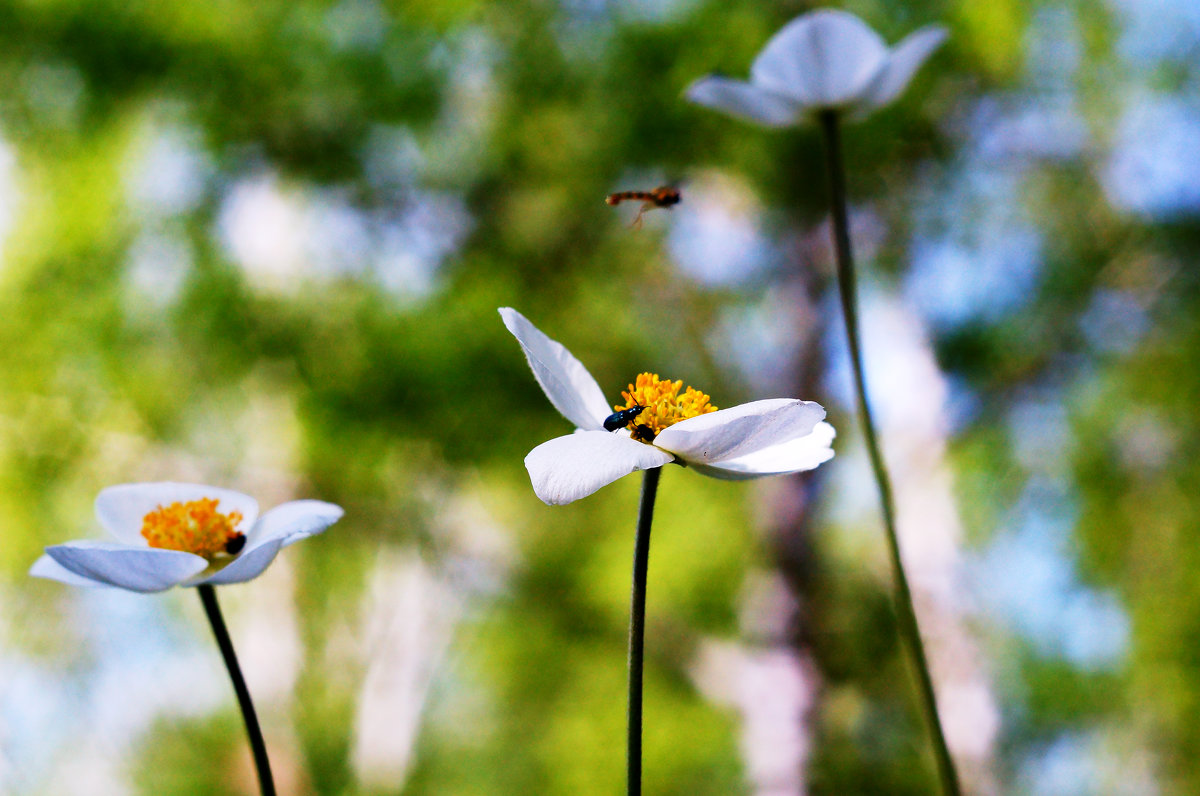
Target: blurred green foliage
column 403, row 403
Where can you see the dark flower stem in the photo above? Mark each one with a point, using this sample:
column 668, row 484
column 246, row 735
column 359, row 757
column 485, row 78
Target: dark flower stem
column 906, row 616
column 637, row 627
column 208, row 596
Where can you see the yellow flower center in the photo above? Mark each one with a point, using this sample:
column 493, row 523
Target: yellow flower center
column 194, row 527
column 664, row 405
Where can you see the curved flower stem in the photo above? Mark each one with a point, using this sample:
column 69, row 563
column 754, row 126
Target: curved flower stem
column 208, row 596
column 905, row 614
column 637, row 628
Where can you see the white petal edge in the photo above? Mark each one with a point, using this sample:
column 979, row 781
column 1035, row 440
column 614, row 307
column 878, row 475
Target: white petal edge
column 740, row 430
column 568, row 468
column 798, row 455
column 283, row 525
column 47, row 567
column 903, row 62
column 564, row 379
column 744, row 100
column 140, row 569
column 293, row 521
column 823, row 59
column 120, row 509
column 250, row 564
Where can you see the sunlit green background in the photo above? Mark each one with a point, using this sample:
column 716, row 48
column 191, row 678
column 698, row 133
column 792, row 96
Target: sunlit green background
column 262, row 244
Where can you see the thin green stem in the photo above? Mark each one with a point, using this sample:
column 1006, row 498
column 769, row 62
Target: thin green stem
column 637, row 627
column 208, row 596
column 906, row 616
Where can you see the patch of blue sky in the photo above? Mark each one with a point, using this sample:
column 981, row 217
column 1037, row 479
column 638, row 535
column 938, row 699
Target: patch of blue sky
column 1154, row 167
column 719, row 249
column 1040, row 433
column 717, row 237
column 1114, row 322
column 653, row 11
column 1053, row 49
column 392, row 158
column 760, row 341
column 976, row 253
column 144, row 663
column 1102, row 761
column 585, row 28
column 35, row 712
column 963, row 404
column 1015, row 126
column 169, row 171
column 1063, row 767
column 1153, row 31
column 411, row 248
column 10, row 193
column 133, row 663
column 1026, row 579
column 456, row 148
column 284, row 235
column 957, row 282
column 157, row 266
column 903, row 380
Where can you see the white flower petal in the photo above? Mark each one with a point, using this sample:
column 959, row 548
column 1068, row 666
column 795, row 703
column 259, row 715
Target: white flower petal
column 249, row 564
column 291, row 522
column 564, row 379
column 902, row 63
column 571, row 467
column 120, row 509
column 794, row 456
column 823, row 59
column 47, row 567
column 142, row 569
column 744, row 100
column 283, row 525
column 740, row 430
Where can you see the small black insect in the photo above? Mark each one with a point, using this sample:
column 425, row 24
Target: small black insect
column 642, row 433
column 622, row 418
column 234, row 544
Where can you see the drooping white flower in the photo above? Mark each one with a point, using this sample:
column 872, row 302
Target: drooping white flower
column 770, row 437
column 181, row 535
column 820, row 61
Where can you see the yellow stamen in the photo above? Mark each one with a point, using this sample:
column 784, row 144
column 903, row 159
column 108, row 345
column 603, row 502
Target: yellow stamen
column 664, row 405
column 193, row 527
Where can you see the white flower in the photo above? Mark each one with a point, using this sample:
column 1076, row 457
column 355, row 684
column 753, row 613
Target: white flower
column 181, row 535
column 760, row 438
column 823, row 60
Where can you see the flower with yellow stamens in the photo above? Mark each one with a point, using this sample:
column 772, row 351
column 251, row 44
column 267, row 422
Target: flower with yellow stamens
column 181, row 535
column 194, row 527
column 770, row 437
column 662, row 404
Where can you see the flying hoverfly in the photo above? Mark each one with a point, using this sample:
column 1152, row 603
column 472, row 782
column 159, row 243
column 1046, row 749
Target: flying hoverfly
column 662, row 196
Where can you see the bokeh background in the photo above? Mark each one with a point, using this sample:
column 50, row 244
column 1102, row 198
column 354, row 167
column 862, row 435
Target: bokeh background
column 261, row 244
